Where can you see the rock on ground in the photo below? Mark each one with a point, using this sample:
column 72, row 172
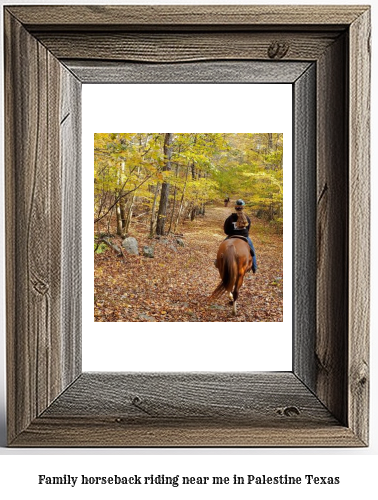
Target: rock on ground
column 130, row 244
column 148, row 252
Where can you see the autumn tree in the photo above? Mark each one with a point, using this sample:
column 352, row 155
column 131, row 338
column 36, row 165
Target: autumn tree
column 162, row 213
column 164, row 178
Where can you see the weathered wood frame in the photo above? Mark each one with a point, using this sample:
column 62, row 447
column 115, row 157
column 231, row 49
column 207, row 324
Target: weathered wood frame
column 49, row 52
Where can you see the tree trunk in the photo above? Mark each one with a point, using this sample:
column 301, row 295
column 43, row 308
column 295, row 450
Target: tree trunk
column 120, row 206
column 181, row 201
column 153, row 211
column 173, row 210
column 129, row 207
column 164, row 196
column 193, row 171
column 128, row 214
column 119, row 220
column 270, row 142
column 193, row 213
column 122, row 209
column 109, row 221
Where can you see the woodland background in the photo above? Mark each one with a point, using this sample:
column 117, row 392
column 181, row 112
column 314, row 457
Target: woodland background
column 167, row 191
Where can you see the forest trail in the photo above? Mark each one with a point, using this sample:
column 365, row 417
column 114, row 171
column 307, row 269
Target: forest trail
column 176, row 284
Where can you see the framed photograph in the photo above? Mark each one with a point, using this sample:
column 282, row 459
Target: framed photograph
column 323, row 53
column 149, row 287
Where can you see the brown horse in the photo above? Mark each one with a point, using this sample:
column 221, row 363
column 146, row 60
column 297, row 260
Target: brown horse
column 233, row 261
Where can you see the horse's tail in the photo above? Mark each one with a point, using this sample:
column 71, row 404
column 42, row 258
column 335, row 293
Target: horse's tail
column 229, row 273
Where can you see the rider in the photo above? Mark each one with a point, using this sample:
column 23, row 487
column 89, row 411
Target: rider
column 238, row 224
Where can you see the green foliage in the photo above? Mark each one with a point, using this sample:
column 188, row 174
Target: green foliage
column 100, row 247
column 204, row 167
column 254, row 172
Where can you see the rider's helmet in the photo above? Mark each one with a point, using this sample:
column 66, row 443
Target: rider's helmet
column 239, row 203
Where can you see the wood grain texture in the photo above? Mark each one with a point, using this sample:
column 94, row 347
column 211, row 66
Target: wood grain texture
column 304, row 241
column 70, row 160
column 33, row 224
column 359, row 226
column 200, row 72
column 324, row 402
column 99, row 432
column 331, row 349
column 184, row 16
column 180, row 47
column 243, row 397
column 33, row 227
column 197, row 409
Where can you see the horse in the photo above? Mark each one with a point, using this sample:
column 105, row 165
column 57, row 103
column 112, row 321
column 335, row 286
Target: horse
column 233, row 261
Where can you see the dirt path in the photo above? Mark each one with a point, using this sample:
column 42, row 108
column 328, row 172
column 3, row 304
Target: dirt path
column 176, row 283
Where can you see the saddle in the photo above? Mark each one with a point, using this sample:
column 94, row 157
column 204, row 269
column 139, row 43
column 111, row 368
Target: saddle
column 239, row 237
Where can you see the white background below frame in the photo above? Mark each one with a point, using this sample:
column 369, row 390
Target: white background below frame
column 168, row 346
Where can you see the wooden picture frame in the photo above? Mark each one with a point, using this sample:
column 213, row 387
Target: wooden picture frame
column 324, row 52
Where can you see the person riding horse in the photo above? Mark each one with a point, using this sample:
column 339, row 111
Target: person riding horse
column 238, row 224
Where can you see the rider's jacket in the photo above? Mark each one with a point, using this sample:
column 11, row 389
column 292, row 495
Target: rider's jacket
column 230, row 227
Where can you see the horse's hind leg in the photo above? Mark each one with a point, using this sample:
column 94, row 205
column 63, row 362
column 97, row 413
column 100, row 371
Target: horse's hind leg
column 235, row 293
column 234, row 308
